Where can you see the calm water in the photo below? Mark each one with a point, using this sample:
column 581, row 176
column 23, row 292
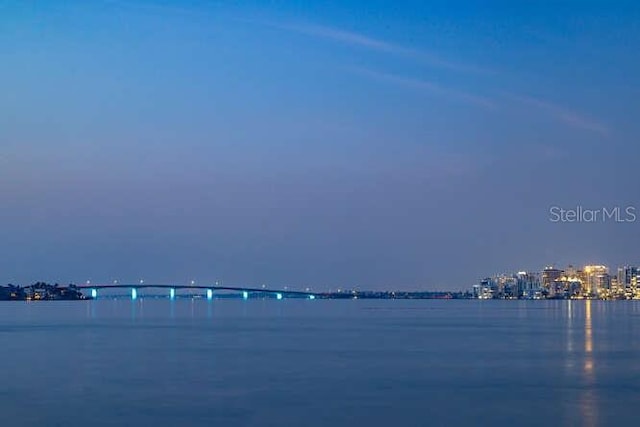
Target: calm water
column 319, row 363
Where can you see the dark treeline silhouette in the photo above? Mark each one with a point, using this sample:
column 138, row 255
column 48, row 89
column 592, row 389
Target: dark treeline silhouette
column 40, row 291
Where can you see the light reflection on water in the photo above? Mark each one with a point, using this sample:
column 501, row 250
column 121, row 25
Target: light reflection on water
column 589, row 398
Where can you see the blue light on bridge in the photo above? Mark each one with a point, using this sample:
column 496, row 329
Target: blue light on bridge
column 312, row 297
column 279, row 295
column 94, row 293
column 134, row 293
column 245, row 295
column 209, row 294
column 172, row 293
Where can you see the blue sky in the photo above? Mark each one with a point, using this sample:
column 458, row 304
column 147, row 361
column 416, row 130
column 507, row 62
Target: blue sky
column 377, row 144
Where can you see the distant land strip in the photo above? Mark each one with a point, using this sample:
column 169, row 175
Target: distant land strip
column 41, row 291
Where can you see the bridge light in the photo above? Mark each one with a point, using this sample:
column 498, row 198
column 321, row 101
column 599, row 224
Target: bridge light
column 245, row 295
column 134, row 293
column 94, row 293
column 312, row 297
column 172, row 293
column 209, row 294
column 279, row 295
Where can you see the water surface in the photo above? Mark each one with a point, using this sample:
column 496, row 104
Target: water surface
column 155, row 362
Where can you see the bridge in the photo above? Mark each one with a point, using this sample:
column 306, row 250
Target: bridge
column 246, row 291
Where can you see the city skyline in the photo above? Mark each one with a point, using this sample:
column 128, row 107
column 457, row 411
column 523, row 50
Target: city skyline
column 553, row 282
column 361, row 144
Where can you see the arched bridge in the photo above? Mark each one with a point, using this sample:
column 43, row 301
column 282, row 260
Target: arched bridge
column 246, row 291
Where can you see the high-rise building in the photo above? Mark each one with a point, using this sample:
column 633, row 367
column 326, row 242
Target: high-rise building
column 617, row 291
column 528, row 285
column 627, row 280
column 629, row 274
column 596, row 278
column 603, row 285
column 486, row 289
column 621, row 277
column 551, row 275
column 571, row 271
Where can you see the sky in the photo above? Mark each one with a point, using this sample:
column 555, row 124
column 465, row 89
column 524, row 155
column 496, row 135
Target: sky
column 353, row 144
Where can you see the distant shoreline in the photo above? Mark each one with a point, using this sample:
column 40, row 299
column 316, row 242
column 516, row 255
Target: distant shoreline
column 41, row 291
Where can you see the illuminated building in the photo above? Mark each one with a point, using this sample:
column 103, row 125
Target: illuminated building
column 617, row 291
column 627, row 279
column 550, row 278
column 595, row 279
column 487, row 289
column 528, row 285
column 509, row 287
column 621, row 277
column 571, row 271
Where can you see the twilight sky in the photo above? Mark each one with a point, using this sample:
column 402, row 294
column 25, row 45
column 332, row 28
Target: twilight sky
column 415, row 145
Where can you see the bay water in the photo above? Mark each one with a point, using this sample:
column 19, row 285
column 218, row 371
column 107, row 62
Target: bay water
column 264, row 362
